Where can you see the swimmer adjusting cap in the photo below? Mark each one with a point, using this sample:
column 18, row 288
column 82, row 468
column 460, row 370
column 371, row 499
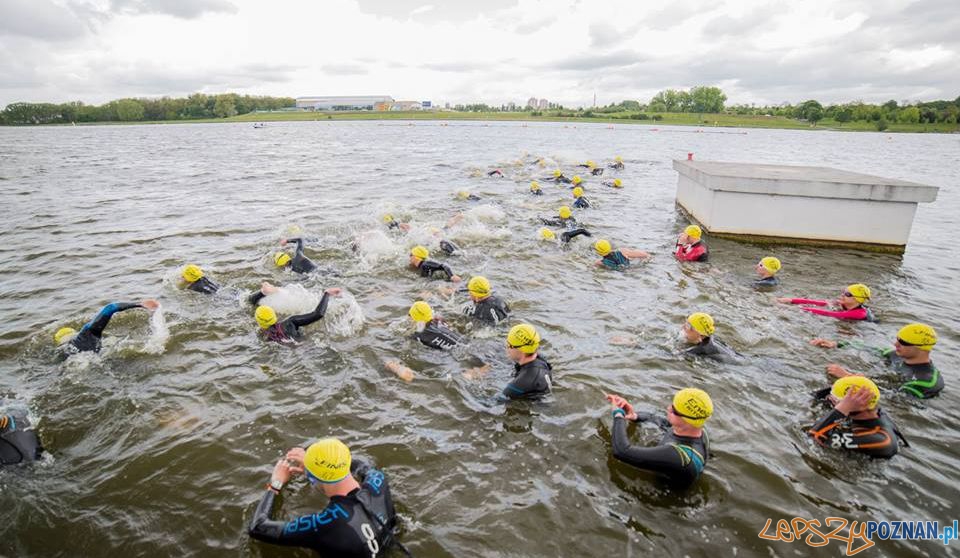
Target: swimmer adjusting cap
column 702, row 323
column 920, row 336
column 479, row 286
column 524, row 337
column 771, row 264
column 577, row 192
column 845, row 384
column 602, row 247
column 547, row 234
column 265, row 316
column 61, row 335
column 577, row 179
column 565, row 212
column 192, row 273
column 693, row 231
column 421, row 312
column 617, row 183
column 694, row 404
column 327, row 460
column 534, row 186
column 420, row 252
column 859, row 291
column 281, row 259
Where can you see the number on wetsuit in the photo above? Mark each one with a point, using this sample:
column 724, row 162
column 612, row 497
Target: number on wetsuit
column 371, row 537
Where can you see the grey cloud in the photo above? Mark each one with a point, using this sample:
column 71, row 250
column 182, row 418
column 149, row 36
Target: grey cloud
column 443, row 10
column 184, row 9
column 345, row 69
column 535, row 25
column 603, row 35
column 758, row 19
column 40, row 19
column 617, row 59
column 921, row 23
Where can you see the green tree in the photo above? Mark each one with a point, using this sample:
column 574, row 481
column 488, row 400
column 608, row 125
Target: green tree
column 224, row 107
column 129, row 110
column 707, row 99
column 811, row 111
column 882, row 124
column 909, row 115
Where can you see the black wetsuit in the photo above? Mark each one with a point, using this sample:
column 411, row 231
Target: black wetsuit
column 680, row 459
column 618, row 166
column 18, row 444
column 472, row 197
column 876, row 438
column 536, row 192
column 530, row 380
column 428, row 268
column 437, row 335
column 360, row 524
column 289, row 329
column 204, row 285
column 581, row 203
column 449, row 247
column 558, row 179
column 711, row 348
column 596, row 171
column 922, row 381
column 88, row 339
column 300, row 263
column 392, row 224
column 569, row 222
column 491, row 310
column 566, row 236
column 615, row 260
column 771, row 281
column 495, row 172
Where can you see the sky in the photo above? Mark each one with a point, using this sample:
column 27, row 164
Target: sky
column 496, row 51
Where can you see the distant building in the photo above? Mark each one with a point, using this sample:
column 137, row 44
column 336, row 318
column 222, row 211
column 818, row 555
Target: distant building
column 532, row 102
column 368, row 102
column 406, row 105
column 544, row 105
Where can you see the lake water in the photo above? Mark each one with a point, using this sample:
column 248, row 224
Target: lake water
column 161, row 445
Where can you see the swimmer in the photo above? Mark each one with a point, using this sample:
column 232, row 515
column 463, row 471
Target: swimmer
column 535, row 188
column 683, row 451
column 579, row 201
column 767, row 269
column 565, row 236
column 698, row 331
column 564, row 219
column 393, row 224
column 558, row 177
column 909, row 358
column 18, row 442
column 88, row 338
column 298, row 263
column 532, row 375
column 432, row 331
column 197, row 281
column 595, row 170
column 615, row 183
column 856, row 423
column 496, row 172
column 850, row 304
column 616, row 259
column 427, row 268
column 690, row 245
column 576, row 181
column 617, row 163
column 289, row 329
column 587, row 165
column 467, row 196
column 484, row 305
column 359, row 519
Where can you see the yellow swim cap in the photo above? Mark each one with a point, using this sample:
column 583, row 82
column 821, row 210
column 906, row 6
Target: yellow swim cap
column 524, row 337
column 281, row 259
column 577, row 192
column 693, row 406
column 617, row 183
column 192, row 273
column 534, row 186
column 591, row 164
column 421, row 312
column 327, row 460
column 557, row 173
column 701, row 323
column 547, row 234
column 917, row 335
column 387, row 218
column 693, row 232
column 565, row 212
column 618, row 159
column 266, row 317
column 602, row 247
column 771, row 264
column 62, row 333
column 463, row 194
column 859, row 291
column 420, row 252
column 479, row 286
column 843, row 385
column 577, row 179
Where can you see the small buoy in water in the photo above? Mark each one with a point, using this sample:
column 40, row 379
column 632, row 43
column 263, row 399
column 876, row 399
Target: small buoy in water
column 689, row 156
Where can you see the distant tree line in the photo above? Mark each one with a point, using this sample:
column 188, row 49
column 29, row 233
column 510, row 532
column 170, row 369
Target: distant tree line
column 193, row 107
column 931, row 112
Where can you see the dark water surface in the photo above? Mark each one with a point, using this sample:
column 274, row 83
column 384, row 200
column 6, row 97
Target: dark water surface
column 160, row 446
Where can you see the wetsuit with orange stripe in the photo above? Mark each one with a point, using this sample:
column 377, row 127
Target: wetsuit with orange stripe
column 874, row 437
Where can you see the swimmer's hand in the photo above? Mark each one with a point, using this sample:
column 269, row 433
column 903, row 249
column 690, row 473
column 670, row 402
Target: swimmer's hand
column 283, row 242
column 617, row 402
column 455, row 278
column 283, row 471
column 855, row 400
column 404, row 226
column 402, row 372
column 295, row 459
column 837, row 371
column 150, row 304
column 267, row 289
column 784, row 300
column 334, row 291
column 477, row 372
column 624, row 340
column 823, row 343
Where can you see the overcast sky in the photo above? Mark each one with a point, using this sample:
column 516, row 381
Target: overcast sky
column 494, row 51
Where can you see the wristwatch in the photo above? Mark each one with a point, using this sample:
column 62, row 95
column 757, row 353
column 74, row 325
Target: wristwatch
column 275, row 485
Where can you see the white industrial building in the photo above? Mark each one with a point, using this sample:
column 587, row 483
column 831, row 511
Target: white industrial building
column 360, row 102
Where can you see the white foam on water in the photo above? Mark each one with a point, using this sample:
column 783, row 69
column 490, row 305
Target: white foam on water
column 344, row 316
column 375, row 246
column 290, row 300
column 159, row 333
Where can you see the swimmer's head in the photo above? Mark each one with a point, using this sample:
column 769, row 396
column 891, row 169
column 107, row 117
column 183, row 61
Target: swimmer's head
column 479, row 287
column 63, row 335
column 602, row 247
column 547, row 234
column 693, row 232
column 617, row 183
column 463, row 194
column 913, row 338
column 618, row 159
column 523, row 338
column 578, row 192
column 421, row 312
column 845, row 384
column 577, row 179
column 769, row 266
column 857, row 291
column 565, row 212
column 534, row 187
column 327, row 461
column 418, row 254
column 265, row 316
column 698, row 326
column 591, row 164
column 281, row 259
column 692, row 406
column 387, row 219
column 557, row 173
column 192, row 273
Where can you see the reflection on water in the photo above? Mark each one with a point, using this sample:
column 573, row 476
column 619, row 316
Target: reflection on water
column 160, row 445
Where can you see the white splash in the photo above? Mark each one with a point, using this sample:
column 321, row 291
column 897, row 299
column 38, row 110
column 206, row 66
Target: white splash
column 290, row 300
column 159, row 333
column 344, row 316
column 375, row 246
